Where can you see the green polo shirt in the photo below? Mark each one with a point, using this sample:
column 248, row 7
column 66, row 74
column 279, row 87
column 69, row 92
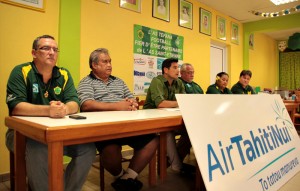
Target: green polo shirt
column 192, row 87
column 214, row 89
column 159, row 90
column 238, row 89
column 25, row 84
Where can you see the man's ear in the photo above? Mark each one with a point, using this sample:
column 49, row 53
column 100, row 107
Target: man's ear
column 33, row 53
column 94, row 65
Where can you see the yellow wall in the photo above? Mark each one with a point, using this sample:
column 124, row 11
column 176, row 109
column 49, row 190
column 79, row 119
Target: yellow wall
column 19, row 27
column 108, row 25
column 261, row 61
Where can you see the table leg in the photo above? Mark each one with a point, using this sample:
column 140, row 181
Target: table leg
column 163, row 156
column 20, row 164
column 55, row 166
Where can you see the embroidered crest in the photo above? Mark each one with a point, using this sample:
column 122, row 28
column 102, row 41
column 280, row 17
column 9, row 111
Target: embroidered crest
column 57, row 90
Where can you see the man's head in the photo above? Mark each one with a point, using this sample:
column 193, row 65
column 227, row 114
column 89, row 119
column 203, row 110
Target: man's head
column 100, row 63
column 170, row 68
column 45, row 50
column 187, row 72
column 245, row 77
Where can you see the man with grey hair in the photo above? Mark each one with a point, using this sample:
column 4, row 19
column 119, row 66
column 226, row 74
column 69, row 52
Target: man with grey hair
column 187, row 77
column 100, row 91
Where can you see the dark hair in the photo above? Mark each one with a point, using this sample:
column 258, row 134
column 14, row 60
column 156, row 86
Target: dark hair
column 167, row 63
column 220, row 74
column 35, row 43
column 94, row 57
column 246, row 72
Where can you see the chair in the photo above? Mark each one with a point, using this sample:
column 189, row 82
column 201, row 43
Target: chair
column 151, row 164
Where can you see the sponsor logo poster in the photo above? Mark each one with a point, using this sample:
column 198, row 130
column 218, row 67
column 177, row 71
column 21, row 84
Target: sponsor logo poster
column 151, row 47
column 241, row 142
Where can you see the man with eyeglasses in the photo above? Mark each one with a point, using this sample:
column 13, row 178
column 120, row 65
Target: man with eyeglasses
column 187, row 77
column 40, row 88
column 100, row 91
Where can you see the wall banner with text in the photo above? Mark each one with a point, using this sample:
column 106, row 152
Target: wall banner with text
column 151, row 48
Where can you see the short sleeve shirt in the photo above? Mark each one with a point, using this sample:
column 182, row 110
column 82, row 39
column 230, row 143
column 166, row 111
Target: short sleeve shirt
column 192, row 87
column 92, row 88
column 238, row 89
column 160, row 90
column 25, row 84
column 214, row 89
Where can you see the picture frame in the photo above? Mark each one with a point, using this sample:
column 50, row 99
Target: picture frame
column 221, row 28
column 251, row 41
column 37, row 6
column 185, row 14
column 234, row 33
column 133, row 5
column 161, row 9
column 205, row 21
column 104, row 1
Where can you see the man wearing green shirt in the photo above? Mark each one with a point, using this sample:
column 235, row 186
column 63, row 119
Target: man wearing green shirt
column 161, row 94
column 40, row 88
column 187, row 77
column 242, row 86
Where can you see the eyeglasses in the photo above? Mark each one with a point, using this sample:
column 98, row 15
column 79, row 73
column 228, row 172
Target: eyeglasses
column 48, row 49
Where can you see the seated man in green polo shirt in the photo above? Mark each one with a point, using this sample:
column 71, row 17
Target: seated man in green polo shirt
column 40, row 88
column 242, row 86
column 187, row 77
column 161, row 94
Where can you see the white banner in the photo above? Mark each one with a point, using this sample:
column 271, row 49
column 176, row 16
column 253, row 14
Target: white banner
column 241, row 142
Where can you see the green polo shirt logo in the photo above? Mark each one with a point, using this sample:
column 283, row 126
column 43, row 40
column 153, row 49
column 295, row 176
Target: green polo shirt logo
column 35, row 88
column 57, row 90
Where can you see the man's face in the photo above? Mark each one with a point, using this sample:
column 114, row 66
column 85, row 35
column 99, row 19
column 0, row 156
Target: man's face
column 46, row 53
column 173, row 71
column 103, row 68
column 188, row 74
column 244, row 80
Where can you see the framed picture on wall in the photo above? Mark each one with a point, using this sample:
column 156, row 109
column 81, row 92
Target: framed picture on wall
column 234, row 33
column 104, row 1
column 221, row 28
column 34, row 5
column 185, row 14
column 161, row 9
column 251, row 41
column 133, row 5
column 205, row 21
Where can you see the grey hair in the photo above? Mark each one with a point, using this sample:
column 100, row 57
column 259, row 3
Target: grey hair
column 94, row 57
column 184, row 65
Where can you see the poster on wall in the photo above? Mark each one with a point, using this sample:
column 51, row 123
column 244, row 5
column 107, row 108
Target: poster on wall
column 151, row 48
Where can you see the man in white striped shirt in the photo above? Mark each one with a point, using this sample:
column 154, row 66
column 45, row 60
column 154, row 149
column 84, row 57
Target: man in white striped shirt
column 100, row 91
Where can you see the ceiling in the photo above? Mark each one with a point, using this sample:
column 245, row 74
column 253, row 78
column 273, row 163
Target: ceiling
column 241, row 11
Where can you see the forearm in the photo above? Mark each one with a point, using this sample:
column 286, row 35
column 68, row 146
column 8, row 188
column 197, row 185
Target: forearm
column 71, row 107
column 92, row 105
column 167, row 104
column 28, row 109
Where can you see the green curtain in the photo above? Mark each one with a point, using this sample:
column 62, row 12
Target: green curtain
column 289, row 70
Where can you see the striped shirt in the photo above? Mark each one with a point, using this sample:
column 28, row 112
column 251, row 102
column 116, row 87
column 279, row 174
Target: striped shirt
column 91, row 88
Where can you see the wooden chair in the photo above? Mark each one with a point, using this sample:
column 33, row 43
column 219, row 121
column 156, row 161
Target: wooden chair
column 151, row 164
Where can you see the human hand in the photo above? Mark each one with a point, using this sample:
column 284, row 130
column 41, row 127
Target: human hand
column 134, row 104
column 57, row 109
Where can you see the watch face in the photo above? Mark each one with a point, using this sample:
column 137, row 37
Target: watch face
column 282, row 46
